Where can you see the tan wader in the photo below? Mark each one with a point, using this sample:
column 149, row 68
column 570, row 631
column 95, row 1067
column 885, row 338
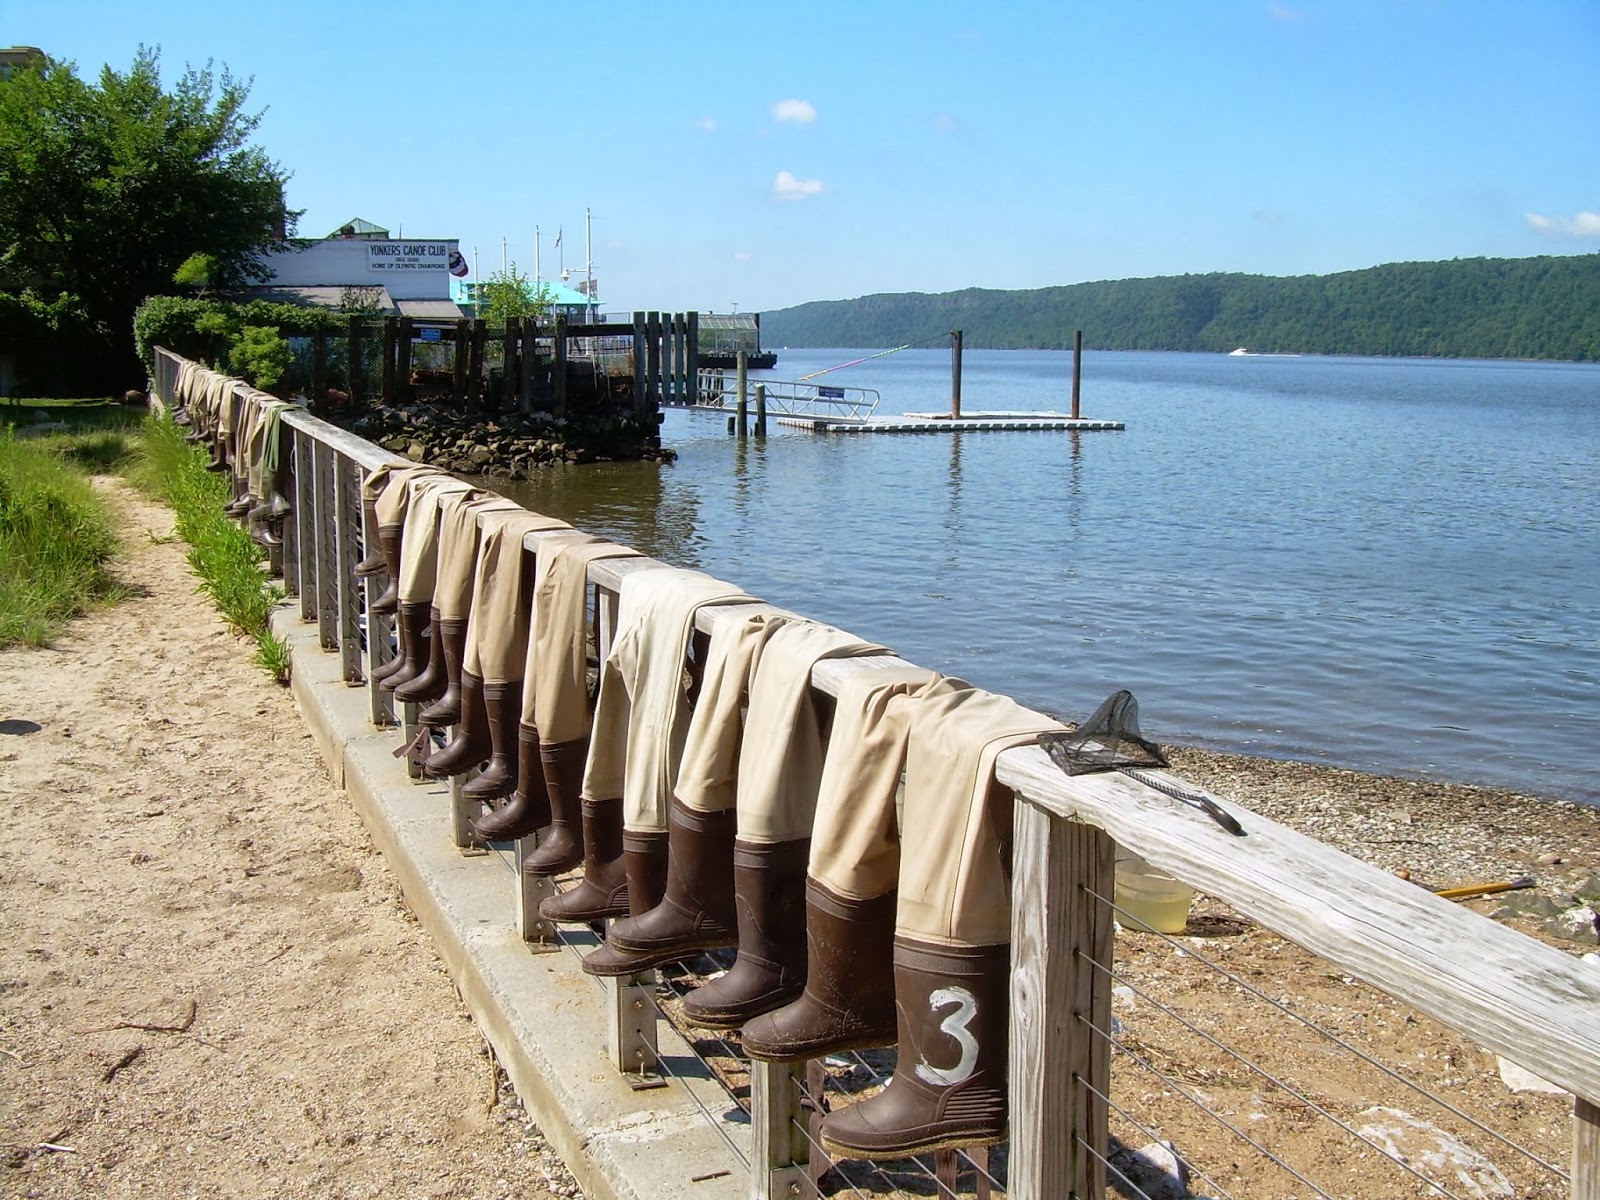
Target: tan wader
column 502, row 594
column 556, row 700
column 643, row 714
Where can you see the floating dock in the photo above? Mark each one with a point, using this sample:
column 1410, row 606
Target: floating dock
column 972, row 422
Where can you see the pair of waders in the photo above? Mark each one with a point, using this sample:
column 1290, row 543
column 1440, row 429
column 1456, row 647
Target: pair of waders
column 857, row 922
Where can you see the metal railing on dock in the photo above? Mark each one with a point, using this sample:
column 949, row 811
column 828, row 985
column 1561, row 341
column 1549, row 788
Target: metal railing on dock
column 1070, row 1061
column 719, row 392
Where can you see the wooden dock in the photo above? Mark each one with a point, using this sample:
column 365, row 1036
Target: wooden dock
column 972, row 422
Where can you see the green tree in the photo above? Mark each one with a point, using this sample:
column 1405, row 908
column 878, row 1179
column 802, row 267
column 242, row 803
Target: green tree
column 504, row 295
column 108, row 188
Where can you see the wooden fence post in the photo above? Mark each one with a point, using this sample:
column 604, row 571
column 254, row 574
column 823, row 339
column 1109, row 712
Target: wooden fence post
column 511, row 366
column 391, row 335
column 475, row 345
column 779, row 1151
column 291, row 524
column 527, row 360
column 380, row 703
column 1058, row 999
column 305, row 525
column 652, row 346
column 347, row 517
column 1585, row 1150
column 691, row 353
column 641, row 381
column 356, row 366
column 319, row 372
column 327, row 590
column 559, row 368
column 463, row 339
column 404, row 388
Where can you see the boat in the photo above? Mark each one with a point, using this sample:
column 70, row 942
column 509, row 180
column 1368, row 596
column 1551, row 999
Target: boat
column 1241, row 352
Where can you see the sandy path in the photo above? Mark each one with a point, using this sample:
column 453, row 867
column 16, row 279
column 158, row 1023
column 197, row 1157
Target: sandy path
column 172, row 849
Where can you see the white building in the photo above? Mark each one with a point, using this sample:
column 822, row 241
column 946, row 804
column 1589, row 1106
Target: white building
column 361, row 265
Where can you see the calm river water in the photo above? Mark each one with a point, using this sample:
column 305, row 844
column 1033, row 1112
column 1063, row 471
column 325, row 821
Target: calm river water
column 1391, row 565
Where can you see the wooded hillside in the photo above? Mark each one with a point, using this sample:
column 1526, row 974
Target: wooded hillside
column 1546, row 307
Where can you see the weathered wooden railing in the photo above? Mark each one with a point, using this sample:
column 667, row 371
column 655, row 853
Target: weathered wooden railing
column 1510, row 994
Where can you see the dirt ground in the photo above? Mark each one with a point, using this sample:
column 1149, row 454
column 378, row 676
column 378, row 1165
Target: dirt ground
column 209, row 984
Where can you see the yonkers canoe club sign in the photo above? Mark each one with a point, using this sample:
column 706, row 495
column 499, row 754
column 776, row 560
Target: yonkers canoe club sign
column 408, row 256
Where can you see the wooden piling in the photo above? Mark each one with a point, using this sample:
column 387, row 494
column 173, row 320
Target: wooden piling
column 406, row 393
column 955, row 374
column 356, row 364
column 475, row 347
column 1077, row 369
column 743, row 376
column 528, row 356
column 691, row 362
column 463, row 344
column 319, row 371
column 560, row 367
column 391, row 327
column 761, row 409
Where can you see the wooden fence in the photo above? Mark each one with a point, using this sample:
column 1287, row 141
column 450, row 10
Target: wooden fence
column 526, row 364
column 1508, row 993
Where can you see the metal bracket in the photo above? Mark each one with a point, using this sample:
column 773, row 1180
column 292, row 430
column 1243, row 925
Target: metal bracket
column 539, row 933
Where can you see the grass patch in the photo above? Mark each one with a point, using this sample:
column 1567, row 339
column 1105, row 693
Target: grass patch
column 228, row 562
column 57, row 540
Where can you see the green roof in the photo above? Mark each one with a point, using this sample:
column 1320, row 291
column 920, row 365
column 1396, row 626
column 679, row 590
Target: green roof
column 359, row 228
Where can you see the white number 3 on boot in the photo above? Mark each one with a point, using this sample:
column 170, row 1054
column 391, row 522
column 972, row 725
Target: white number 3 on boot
column 956, row 1026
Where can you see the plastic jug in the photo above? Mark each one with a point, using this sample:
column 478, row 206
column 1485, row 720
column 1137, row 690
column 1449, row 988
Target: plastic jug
column 1149, row 900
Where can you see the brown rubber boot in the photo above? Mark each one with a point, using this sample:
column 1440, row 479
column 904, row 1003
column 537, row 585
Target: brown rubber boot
column 219, row 455
column 503, row 704
column 446, row 707
column 697, row 909
column 848, row 1002
column 769, row 886
column 603, row 891
column 390, row 665
column 949, row 1087
column 470, row 746
column 389, row 545
column 413, row 622
column 273, row 508
column 528, row 809
column 374, row 563
column 644, row 859
column 561, row 848
column 428, row 684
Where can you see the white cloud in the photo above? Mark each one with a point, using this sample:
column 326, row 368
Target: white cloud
column 741, row 256
column 787, row 187
column 1584, row 226
column 706, row 124
column 946, row 124
column 1282, row 12
column 800, row 112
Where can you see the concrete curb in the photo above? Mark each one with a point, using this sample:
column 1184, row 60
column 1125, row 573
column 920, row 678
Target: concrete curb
column 544, row 1017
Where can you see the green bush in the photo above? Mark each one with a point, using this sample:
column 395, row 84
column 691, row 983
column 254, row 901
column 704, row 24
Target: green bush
column 260, row 356
column 57, row 541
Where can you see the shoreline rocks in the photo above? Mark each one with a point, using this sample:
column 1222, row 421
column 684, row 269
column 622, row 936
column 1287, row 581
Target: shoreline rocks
column 509, row 445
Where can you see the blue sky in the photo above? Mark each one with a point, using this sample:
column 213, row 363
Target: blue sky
column 766, row 154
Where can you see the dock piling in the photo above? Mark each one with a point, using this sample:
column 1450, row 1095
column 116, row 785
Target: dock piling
column 955, row 374
column 1077, row 369
column 744, row 393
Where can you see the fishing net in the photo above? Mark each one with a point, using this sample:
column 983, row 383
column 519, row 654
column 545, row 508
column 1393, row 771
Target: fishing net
column 1108, row 741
